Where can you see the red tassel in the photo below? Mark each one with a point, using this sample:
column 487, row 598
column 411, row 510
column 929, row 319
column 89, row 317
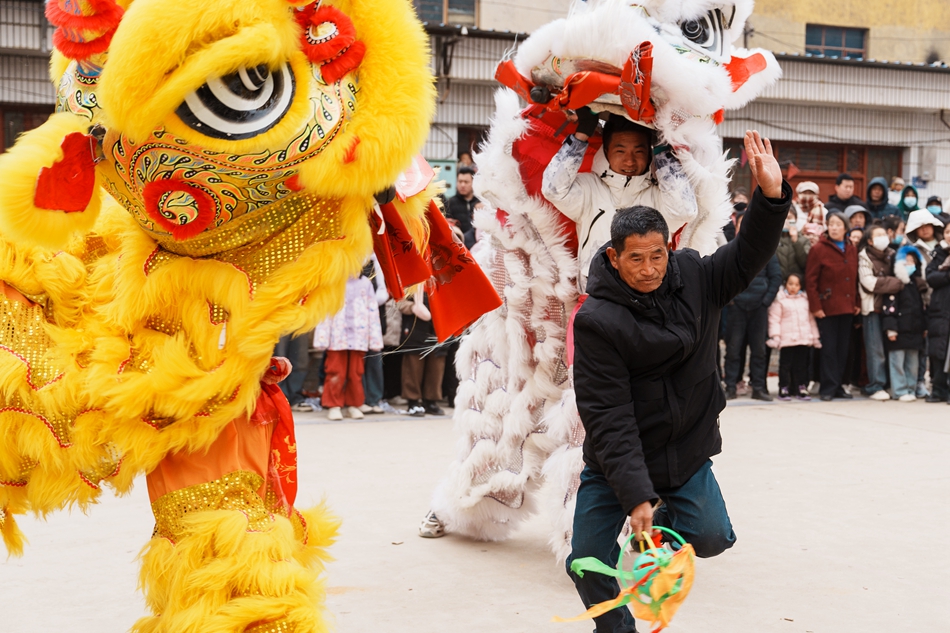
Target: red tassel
column 68, row 184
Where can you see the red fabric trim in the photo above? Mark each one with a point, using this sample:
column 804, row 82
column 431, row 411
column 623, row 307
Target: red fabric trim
column 319, row 52
column 570, row 330
column 399, row 259
column 459, row 291
column 69, row 183
column 741, row 68
column 152, row 195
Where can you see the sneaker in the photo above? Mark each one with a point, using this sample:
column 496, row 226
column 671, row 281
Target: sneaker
column 814, row 388
column 397, row 401
column 354, row 412
column 783, row 395
column 431, row 526
column 302, row 407
column 843, row 394
column 908, row 397
column 365, row 408
column 385, row 407
column 932, row 399
column 731, row 394
column 922, row 391
column 881, row 395
column 314, row 403
column 803, row 393
column 415, row 409
column 743, row 388
column 761, row 394
column 335, row 414
column 433, row 409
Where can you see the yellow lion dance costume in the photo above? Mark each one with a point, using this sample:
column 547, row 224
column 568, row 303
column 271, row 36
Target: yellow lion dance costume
column 203, row 189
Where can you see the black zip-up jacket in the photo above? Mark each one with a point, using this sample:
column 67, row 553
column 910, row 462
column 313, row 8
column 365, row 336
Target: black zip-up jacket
column 645, row 372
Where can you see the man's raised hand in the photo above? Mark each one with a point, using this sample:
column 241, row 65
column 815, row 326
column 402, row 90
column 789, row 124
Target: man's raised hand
column 764, row 167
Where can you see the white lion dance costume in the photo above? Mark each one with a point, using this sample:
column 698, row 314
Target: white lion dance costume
column 667, row 64
column 206, row 186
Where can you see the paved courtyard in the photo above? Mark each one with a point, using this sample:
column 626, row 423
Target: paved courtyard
column 842, row 512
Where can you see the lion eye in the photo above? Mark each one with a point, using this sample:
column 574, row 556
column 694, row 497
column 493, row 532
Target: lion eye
column 241, row 105
column 706, row 32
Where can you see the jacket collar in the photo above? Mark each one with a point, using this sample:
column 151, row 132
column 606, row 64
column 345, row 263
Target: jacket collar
column 623, row 188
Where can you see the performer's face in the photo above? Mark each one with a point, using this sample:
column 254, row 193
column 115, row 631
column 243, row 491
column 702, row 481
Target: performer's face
column 642, row 264
column 629, row 153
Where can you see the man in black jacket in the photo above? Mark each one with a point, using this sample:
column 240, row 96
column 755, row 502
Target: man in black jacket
column 647, row 384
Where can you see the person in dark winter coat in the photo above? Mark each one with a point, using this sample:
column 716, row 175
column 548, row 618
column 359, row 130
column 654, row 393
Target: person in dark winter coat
column 646, row 381
column 749, row 325
column 938, row 322
column 460, row 208
column 423, row 360
column 904, row 323
column 877, row 204
column 831, row 283
column 792, row 251
column 843, row 197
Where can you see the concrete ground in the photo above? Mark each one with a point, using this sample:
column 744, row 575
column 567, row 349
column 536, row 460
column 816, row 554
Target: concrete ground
column 842, row 511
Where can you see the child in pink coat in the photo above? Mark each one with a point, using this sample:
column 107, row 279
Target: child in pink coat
column 793, row 329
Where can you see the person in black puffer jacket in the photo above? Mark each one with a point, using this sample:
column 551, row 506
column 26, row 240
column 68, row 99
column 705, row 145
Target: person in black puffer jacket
column 904, row 323
column 646, row 381
column 938, row 322
column 749, row 325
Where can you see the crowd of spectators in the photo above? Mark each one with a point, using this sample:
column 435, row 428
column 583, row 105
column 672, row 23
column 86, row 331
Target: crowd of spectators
column 857, row 299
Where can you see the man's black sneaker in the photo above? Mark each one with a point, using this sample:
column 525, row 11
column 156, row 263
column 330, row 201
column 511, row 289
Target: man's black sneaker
column 415, row 409
column 761, row 394
column 433, row 409
column 933, row 398
column 731, row 394
column 825, row 398
column 844, row 395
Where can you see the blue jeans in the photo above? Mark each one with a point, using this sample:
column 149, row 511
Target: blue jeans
column 903, row 371
column 874, row 348
column 696, row 510
column 373, row 378
column 297, row 351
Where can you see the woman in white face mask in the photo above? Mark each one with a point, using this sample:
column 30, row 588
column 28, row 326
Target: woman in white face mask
column 874, row 282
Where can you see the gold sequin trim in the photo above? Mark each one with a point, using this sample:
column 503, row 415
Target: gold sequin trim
column 234, row 491
column 161, row 324
column 217, row 314
column 59, row 425
column 21, row 474
column 282, row 626
column 23, row 335
column 319, row 221
column 95, row 248
column 260, row 243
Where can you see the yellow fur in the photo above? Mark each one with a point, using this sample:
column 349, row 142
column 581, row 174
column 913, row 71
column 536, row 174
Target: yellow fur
column 171, row 47
column 141, row 368
column 20, row 167
column 388, row 121
column 222, row 578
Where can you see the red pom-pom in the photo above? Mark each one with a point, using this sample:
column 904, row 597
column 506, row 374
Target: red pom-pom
column 327, row 33
column 181, row 208
column 349, row 60
column 80, row 36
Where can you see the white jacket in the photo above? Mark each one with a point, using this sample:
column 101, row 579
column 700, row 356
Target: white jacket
column 592, row 199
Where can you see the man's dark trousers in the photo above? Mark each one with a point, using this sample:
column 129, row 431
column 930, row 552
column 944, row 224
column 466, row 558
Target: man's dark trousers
column 751, row 326
column 695, row 510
